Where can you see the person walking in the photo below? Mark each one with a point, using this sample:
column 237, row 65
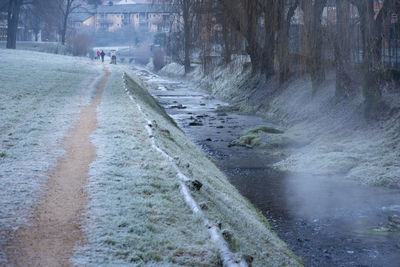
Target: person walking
column 98, row 54
column 102, row 54
column 113, row 58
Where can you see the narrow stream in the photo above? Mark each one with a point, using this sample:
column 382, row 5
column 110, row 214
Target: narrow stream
column 327, row 221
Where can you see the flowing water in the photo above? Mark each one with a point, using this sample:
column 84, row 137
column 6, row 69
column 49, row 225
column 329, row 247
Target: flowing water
column 327, row 221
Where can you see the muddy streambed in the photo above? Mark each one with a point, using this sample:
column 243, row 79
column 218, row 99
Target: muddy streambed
column 325, row 220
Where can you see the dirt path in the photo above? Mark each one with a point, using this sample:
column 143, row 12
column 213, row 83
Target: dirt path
column 57, row 220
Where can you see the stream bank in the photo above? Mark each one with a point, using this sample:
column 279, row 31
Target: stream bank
column 325, row 219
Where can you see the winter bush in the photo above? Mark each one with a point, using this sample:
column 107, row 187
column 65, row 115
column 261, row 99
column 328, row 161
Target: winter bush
column 158, row 59
column 79, row 45
column 142, row 54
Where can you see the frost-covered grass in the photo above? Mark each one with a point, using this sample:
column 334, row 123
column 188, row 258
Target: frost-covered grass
column 173, row 69
column 336, row 139
column 324, row 138
column 40, row 96
column 247, row 231
column 136, row 214
column 45, row 47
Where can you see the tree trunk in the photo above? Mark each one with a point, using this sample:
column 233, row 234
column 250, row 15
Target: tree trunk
column 371, row 29
column 187, row 37
column 14, row 8
column 252, row 47
column 65, row 22
column 283, row 26
column 317, row 69
column 317, row 61
column 267, row 65
column 314, row 40
column 342, row 50
column 372, row 64
column 244, row 19
column 227, row 41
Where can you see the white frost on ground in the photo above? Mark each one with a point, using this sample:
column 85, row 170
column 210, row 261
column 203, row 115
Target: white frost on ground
column 45, row 47
column 136, row 214
column 173, row 69
column 228, row 259
column 327, row 139
column 39, row 101
column 335, row 139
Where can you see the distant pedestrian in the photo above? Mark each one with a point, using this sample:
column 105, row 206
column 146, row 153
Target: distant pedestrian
column 102, row 54
column 98, row 54
column 113, row 58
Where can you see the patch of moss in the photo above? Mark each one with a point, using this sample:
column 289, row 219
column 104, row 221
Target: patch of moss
column 264, row 129
column 254, row 137
column 250, row 140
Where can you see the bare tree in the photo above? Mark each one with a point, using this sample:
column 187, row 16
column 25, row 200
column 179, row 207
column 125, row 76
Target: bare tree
column 313, row 39
column 371, row 30
column 284, row 15
column 342, row 50
column 227, row 39
column 13, row 10
column 66, row 7
column 244, row 16
column 264, row 24
column 186, row 8
column 270, row 18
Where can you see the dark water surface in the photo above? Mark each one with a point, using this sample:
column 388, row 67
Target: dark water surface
column 327, row 221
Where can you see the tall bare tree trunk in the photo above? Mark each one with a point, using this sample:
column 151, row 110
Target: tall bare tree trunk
column 371, row 29
column 342, row 50
column 14, row 8
column 283, row 26
column 314, row 40
column 187, row 36
column 282, row 43
column 226, row 39
column 252, row 47
column 244, row 19
column 372, row 64
column 267, row 66
column 65, row 21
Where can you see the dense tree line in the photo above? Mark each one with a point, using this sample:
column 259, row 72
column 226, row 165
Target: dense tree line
column 264, row 29
column 39, row 13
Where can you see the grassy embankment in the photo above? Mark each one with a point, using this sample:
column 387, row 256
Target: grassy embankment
column 137, row 214
column 320, row 136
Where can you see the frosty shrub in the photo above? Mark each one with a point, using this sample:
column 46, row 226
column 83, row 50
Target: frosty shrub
column 158, row 59
column 142, row 54
column 79, row 45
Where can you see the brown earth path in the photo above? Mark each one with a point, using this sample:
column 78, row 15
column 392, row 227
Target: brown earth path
column 57, row 219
